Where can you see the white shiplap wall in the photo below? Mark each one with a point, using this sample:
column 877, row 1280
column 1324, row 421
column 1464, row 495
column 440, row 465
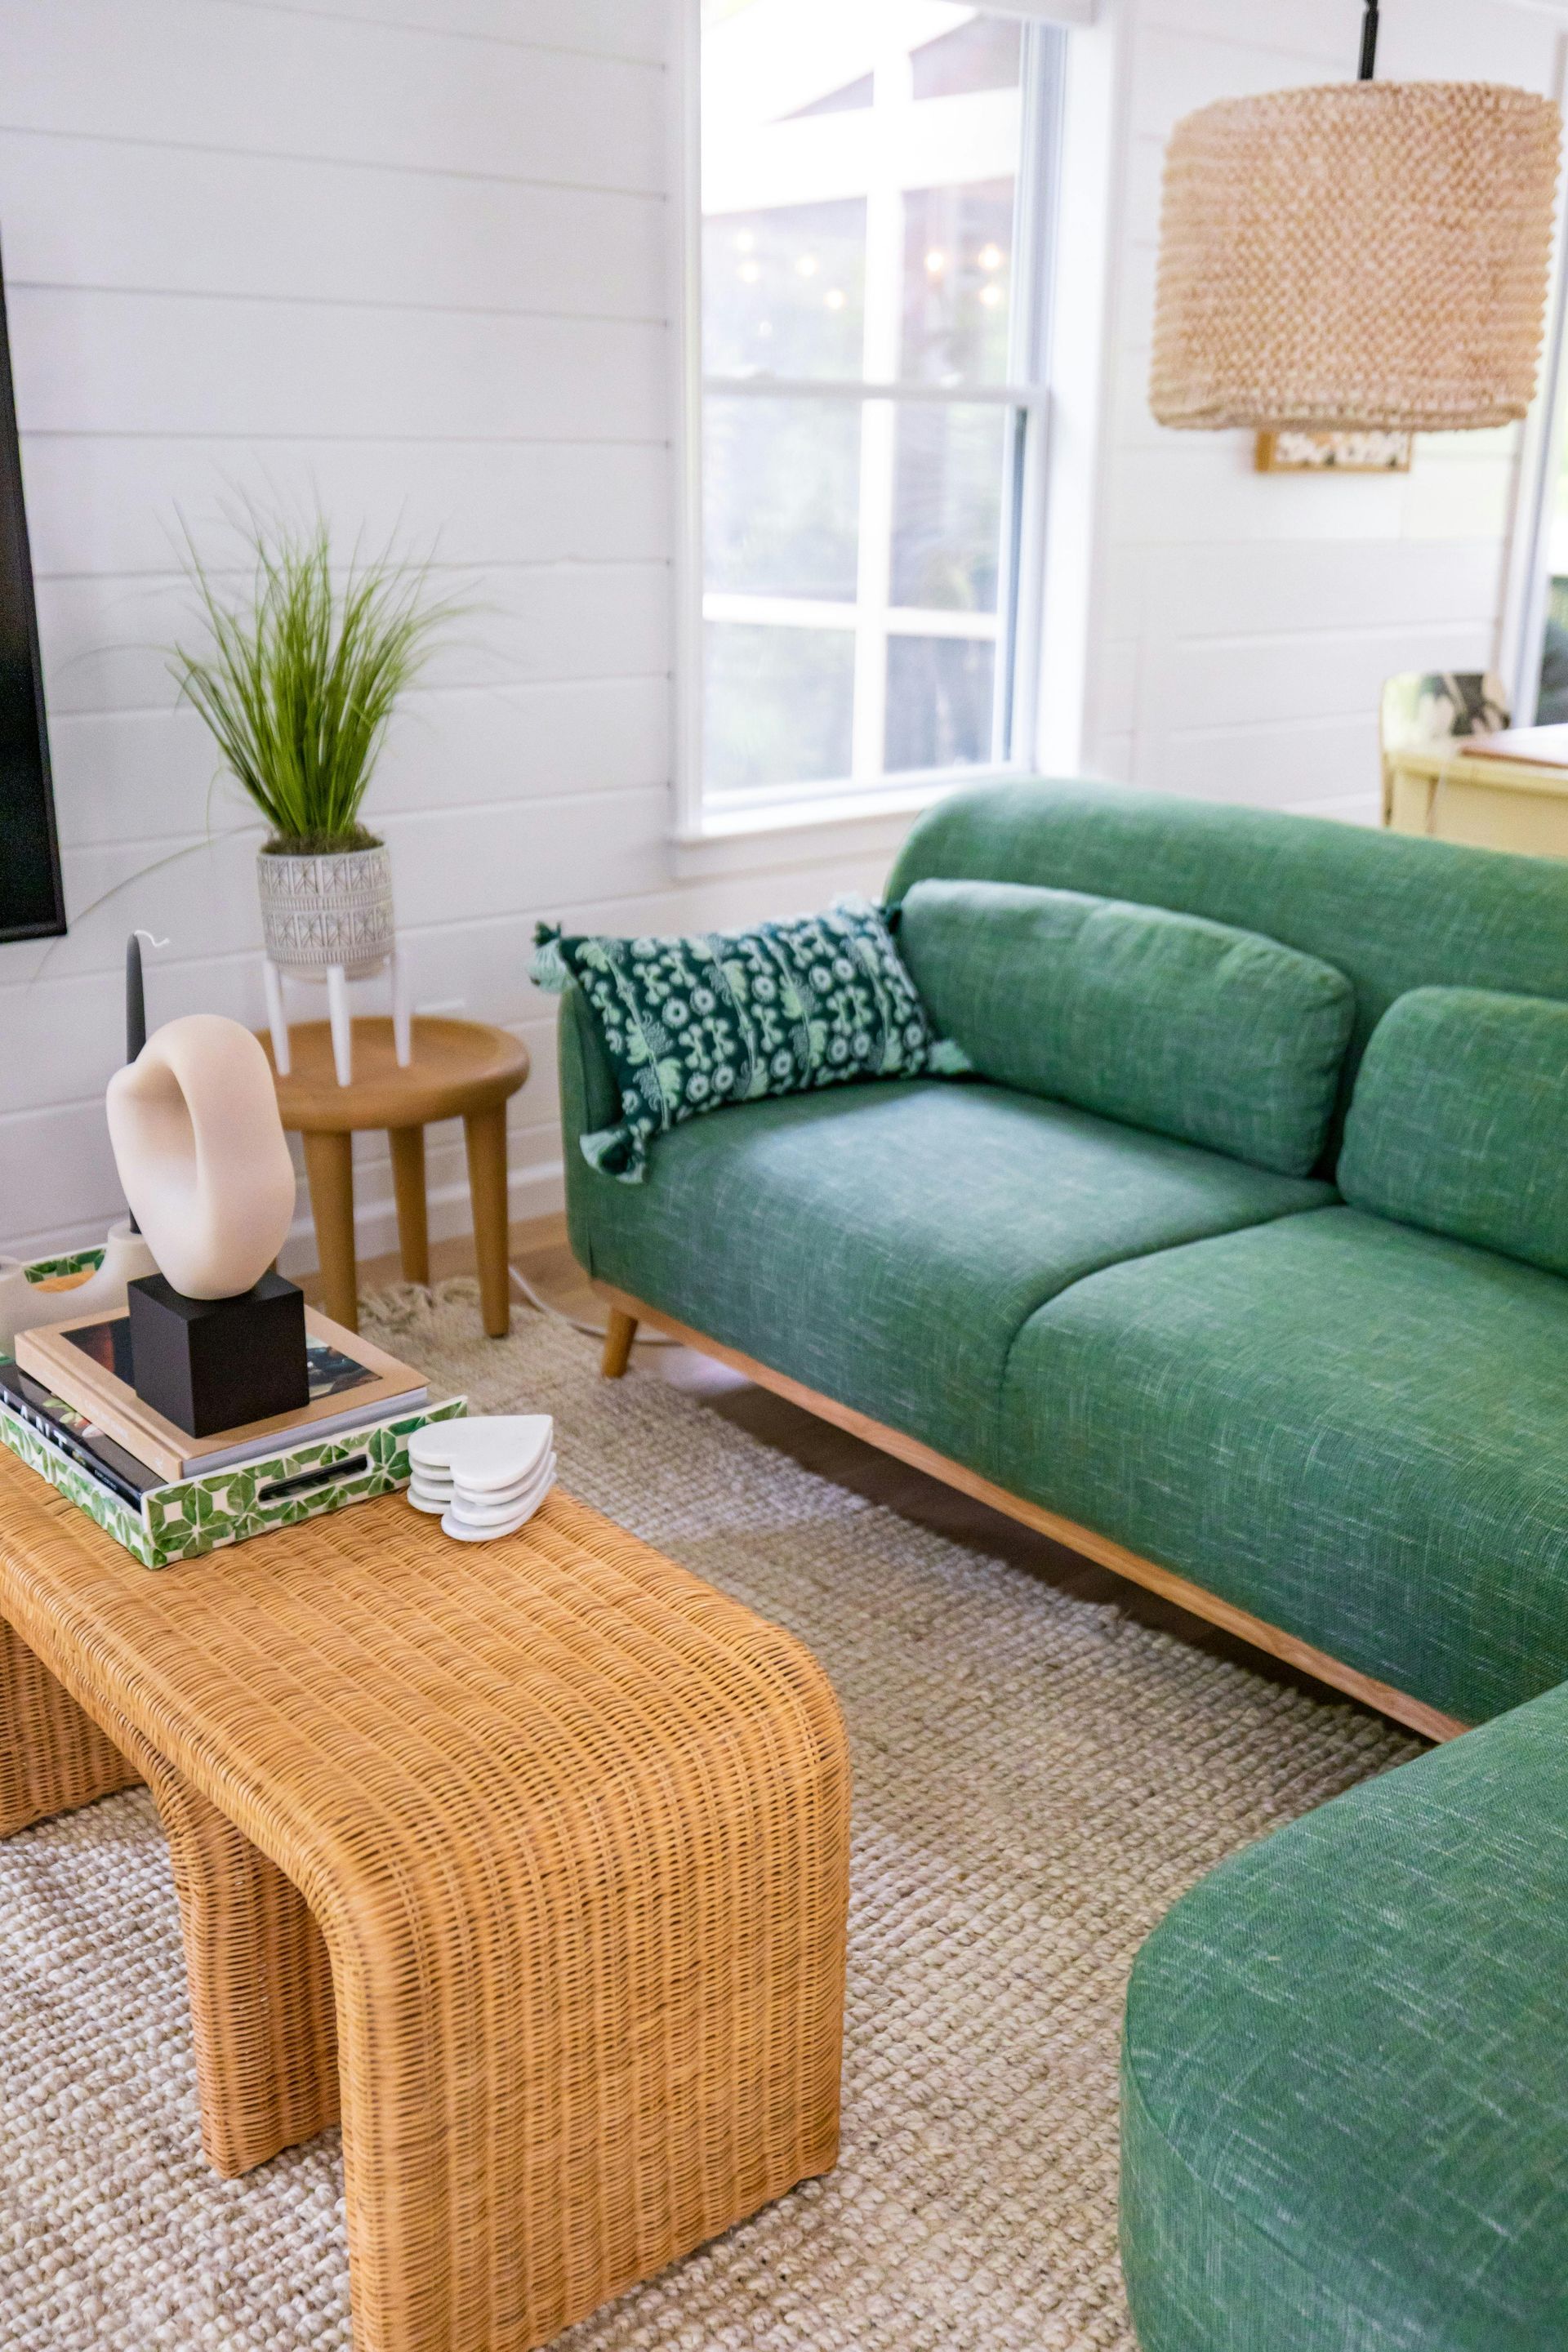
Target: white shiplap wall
column 410, row 257
column 1245, row 621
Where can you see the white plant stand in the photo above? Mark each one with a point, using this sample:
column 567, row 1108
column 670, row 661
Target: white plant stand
column 337, row 977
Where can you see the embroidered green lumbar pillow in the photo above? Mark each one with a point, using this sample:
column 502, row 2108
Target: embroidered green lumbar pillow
column 690, row 1025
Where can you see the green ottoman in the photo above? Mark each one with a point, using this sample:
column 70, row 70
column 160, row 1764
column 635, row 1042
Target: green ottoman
column 1345, row 2072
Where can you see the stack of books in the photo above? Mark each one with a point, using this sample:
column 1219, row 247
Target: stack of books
column 68, row 1406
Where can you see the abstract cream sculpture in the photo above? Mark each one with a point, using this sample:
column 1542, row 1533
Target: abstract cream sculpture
column 201, row 1153
column 1370, row 256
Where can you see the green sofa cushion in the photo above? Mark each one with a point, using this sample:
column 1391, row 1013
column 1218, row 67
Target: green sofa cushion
column 885, row 1243
column 1167, row 1021
column 1345, row 2119
column 1459, row 1122
column 1353, row 1429
column 1391, row 912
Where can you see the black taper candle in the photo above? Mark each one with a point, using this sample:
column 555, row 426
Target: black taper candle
column 135, row 1012
column 135, row 999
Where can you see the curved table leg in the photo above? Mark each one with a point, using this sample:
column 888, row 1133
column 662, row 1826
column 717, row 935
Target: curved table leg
column 260, row 1985
column 605, row 2031
column 52, row 1757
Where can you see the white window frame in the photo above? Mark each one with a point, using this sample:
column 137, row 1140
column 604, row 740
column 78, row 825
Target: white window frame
column 1522, row 633
column 1017, row 628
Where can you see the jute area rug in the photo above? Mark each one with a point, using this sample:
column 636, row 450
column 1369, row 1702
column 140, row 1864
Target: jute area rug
column 1036, row 1780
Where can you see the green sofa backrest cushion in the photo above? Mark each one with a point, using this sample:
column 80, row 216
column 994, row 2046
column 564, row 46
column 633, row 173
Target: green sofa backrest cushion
column 1391, row 912
column 1459, row 1122
column 1168, row 1022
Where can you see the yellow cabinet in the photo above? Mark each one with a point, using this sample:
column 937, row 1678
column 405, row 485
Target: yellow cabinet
column 1490, row 799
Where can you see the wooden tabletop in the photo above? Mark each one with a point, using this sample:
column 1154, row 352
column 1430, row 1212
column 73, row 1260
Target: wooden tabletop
column 1541, row 747
column 458, row 1066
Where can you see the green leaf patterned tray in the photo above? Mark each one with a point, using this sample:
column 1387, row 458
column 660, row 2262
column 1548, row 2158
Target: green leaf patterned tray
column 193, row 1516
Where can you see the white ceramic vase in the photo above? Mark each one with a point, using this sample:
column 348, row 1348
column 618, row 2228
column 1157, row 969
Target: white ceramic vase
column 332, row 907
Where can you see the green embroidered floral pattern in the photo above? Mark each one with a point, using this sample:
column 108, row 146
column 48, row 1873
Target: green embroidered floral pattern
column 690, row 1025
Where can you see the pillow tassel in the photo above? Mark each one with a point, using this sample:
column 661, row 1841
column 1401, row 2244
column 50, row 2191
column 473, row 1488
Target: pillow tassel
column 614, row 1152
column 548, row 971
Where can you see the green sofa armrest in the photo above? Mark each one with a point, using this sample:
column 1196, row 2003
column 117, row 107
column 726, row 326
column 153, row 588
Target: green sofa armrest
column 1345, row 2122
column 589, row 1100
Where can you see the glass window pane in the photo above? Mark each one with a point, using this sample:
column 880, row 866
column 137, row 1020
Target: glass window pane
column 940, row 693
column 985, row 54
column 848, row 101
column 779, row 706
column 1552, row 708
column 947, row 506
column 784, row 290
column 781, row 497
column 860, row 166
column 958, row 282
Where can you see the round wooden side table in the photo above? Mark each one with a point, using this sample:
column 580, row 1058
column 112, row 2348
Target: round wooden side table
column 460, row 1069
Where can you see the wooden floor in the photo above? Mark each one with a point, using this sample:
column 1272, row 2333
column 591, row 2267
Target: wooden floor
column 540, row 1254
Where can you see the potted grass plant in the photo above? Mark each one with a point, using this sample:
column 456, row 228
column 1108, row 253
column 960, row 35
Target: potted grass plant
column 298, row 682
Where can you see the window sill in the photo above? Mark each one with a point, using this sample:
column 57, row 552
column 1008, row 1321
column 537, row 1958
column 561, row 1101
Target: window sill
column 812, row 832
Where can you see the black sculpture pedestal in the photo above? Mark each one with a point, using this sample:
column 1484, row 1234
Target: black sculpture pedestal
column 212, row 1364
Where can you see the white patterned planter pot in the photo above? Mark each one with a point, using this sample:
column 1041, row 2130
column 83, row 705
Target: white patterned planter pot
column 335, row 909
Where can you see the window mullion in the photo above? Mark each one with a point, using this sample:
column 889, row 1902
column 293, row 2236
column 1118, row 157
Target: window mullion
column 892, row 93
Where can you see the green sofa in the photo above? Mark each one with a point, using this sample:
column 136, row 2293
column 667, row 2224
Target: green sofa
column 1333, row 1419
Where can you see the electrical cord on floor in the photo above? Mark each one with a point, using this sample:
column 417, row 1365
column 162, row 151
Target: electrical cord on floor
column 589, row 1330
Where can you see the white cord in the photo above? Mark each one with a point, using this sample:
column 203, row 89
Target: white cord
column 589, row 1330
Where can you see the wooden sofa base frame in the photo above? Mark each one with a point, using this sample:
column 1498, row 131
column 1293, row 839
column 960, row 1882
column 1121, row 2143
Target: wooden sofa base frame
column 626, row 1313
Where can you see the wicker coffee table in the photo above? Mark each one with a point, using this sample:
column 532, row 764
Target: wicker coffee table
column 528, row 1858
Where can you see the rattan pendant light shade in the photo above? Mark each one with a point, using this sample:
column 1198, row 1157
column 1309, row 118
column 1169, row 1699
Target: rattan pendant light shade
column 1371, row 255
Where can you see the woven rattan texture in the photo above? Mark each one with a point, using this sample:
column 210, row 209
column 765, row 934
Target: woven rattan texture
column 573, row 1828
column 1363, row 255
column 1036, row 1780
column 52, row 1757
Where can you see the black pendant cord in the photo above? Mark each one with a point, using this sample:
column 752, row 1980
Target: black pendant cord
column 1369, row 42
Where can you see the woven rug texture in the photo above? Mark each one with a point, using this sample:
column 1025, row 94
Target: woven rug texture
column 1036, row 1781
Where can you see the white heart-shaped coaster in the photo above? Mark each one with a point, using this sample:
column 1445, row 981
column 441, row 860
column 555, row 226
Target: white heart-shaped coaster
column 479, row 1523
column 466, row 1533
column 502, row 1498
column 492, row 1450
column 485, row 1510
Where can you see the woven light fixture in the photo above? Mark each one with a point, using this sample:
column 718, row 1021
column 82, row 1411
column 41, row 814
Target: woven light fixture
column 1370, row 256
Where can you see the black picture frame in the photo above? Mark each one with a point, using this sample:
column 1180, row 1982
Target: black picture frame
column 32, row 895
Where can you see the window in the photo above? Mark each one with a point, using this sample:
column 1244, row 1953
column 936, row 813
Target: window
column 874, row 186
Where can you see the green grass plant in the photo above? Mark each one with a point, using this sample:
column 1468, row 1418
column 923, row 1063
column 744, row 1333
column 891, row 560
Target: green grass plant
column 298, row 681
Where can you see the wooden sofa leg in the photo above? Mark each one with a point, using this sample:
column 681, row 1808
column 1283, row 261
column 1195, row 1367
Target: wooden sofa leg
column 618, row 1337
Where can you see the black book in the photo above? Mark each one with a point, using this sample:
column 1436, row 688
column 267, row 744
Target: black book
column 74, row 1434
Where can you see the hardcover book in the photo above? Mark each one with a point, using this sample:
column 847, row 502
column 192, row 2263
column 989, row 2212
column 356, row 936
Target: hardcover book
column 86, row 1365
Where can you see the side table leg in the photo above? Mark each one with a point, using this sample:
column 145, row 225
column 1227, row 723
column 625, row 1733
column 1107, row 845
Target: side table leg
column 329, row 1164
column 408, row 1184
column 485, row 1133
column 260, row 1986
column 53, row 1758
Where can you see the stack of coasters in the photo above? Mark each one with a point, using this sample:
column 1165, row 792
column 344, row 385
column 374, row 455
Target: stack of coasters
column 483, row 1477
